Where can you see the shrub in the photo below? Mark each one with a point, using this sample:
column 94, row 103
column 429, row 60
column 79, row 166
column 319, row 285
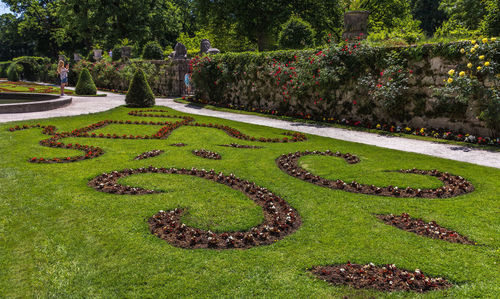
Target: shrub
column 476, row 83
column 296, row 34
column 117, row 53
column 85, row 85
column 3, row 68
column 139, row 93
column 33, row 68
column 153, row 51
column 13, row 72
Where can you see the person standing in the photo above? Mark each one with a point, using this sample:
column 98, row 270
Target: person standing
column 63, row 74
column 187, row 81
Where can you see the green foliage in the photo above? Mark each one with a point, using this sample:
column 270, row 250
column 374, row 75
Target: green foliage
column 33, row 68
column 490, row 25
column 296, row 34
column 117, row 53
column 468, row 13
column 153, row 51
column 13, row 72
column 85, row 85
column 139, row 93
column 477, row 82
column 428, row 13
column 4, row 65
column 452, row 28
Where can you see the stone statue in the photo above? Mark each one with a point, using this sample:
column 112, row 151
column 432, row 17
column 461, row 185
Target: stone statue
column 204, row 46
column 180, row 51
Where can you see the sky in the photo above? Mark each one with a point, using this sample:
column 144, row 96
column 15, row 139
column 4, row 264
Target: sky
column 3, row 8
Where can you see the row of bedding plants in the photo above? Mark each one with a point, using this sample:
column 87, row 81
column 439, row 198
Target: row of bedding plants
column 355, row 83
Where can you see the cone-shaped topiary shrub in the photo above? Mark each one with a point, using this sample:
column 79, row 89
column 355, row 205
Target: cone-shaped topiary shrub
column 85, row 85
column 139, row 93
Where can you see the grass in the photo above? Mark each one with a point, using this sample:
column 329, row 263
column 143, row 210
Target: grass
column 38, row 88
column 31, row 88
column 61, row 238
column 361, row 129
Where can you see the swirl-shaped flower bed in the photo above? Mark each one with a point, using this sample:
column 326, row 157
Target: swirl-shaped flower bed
column 386, row 278
column 427, row 229
column 280, row 219
column 453, row 185
column 234, row 145
column 149, row 154
column 207, row 154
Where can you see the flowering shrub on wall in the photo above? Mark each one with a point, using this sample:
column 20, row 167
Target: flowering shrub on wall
column 476, row 81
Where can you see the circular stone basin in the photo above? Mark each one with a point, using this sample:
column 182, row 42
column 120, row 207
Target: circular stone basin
column 31, row 102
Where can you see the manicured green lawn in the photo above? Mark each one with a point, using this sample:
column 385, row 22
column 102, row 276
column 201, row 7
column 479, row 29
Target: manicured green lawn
column 61, row 238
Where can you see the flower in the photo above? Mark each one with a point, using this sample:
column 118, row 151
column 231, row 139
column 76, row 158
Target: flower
column 450, row 80
column 462, row 50
column 473, row 41
column 472, row 50
column 479, row 68
column 469, row 65
column 451, row 72
column 461, row 74
column 487, row 63
column 485, row 40
column 493, row 39
column 481, row 57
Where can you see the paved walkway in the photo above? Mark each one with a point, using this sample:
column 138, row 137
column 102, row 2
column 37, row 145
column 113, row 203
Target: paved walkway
column 86, row 105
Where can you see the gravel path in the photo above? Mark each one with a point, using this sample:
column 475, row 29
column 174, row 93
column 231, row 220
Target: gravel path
column 86, row 105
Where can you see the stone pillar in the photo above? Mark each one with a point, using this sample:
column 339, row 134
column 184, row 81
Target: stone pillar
column 355, row 24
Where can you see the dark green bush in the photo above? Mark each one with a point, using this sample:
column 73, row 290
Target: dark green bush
column 33, row 68
column 13, row 72
column 139, row 93
column 85, row 85
column 117, row 53
column 296, row 34
column 3, row 68
column 153, row 51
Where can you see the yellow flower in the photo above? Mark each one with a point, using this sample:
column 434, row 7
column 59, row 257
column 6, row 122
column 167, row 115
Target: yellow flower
column 473, row 41
column 476, row 46
column 485, row 40
column 472, row 50
column 469, row 65
column 461, row 74
column 487, row 63
column 493, row 39
column 451, row 72
column 481, row 57
column 479, row 68
column 450, row 80
column 462, row 50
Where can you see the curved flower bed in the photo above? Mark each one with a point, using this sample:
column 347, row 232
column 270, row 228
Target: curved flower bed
column 280, row 219
column 426, row 229
column 168, row 127
column 453, row 185
column 149, row 154
column 383, row 278
column 207, row 154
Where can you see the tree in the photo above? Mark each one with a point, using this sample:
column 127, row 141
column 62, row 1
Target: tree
column 11, row 43
column 428, row 13
column 296, row 34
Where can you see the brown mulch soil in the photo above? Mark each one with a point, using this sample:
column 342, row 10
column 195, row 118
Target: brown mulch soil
column 179, row 144
column 207, row 154
column 453, row 185
column 426, row 229
column 280, row 219
column 240, row 146
column 386, row 278
column 149, row 154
